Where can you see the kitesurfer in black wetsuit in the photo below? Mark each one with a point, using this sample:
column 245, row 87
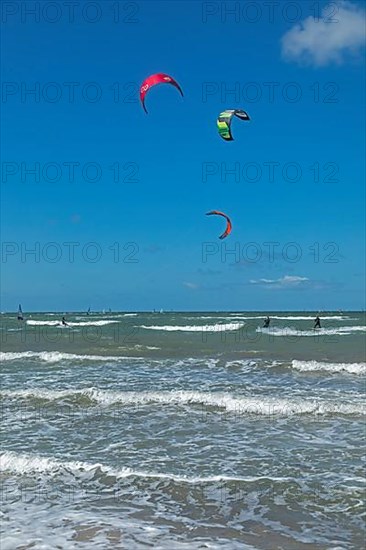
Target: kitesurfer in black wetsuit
column 64, row 322
column 266, row 322
column 20, row 314
column 317, row 322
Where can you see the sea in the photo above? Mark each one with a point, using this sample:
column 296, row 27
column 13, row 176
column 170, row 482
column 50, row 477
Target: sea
column 183, row 430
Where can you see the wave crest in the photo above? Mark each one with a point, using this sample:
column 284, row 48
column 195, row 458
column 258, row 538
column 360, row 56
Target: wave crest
column 195, row 328
column 315, row 366
column 242, row 406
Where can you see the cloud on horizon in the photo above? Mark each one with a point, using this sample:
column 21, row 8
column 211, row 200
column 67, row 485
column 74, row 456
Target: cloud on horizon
column 286, row 282
column 192, row 286
column 328, row 39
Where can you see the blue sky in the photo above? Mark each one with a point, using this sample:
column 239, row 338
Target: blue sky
column 144, row 242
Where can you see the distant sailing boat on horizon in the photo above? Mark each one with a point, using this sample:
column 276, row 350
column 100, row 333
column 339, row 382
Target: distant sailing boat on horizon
column 20, row 313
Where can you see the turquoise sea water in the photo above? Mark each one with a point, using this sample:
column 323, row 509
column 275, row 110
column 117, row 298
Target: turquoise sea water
column 183, row 430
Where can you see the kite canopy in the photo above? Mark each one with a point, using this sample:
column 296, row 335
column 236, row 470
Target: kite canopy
column 224, row 122
column 228, row 224
column 158, row 78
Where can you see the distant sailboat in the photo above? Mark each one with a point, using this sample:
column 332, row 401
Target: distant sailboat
column 20, row 313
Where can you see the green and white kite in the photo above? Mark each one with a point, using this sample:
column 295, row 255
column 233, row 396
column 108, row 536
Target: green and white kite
column 224, row 122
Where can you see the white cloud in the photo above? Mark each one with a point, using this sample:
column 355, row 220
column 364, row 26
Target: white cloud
column 192, row 286
column 339, row 32
column 288, row 281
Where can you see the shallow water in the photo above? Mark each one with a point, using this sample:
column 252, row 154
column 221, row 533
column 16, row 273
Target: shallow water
column 183, row 430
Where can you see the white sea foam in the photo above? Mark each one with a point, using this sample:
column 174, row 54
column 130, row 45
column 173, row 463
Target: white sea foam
column 299, row 317
column 250, row 364
column 196, row 328
column 238, row 405
column 39, row 393
column 56, row 356
column 288, row 331
column 352, row 368
column 242, row 363
column 23, row 464
column 141, row 346
column 71, row 324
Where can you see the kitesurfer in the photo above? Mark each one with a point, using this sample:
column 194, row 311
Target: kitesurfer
column 64, row 322
column 267, row 320
column 20, row 313
column 317, row 322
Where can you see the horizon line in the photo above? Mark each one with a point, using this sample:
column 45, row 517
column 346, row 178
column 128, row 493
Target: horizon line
column 103, row 312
